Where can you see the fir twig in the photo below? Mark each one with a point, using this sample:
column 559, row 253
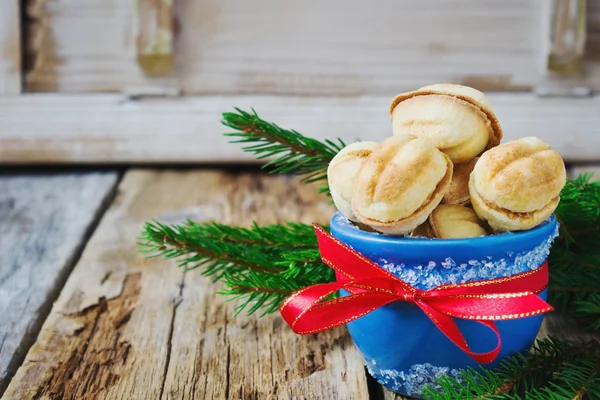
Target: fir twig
column 553, row 370
column 575, row 257
column 294, row 153
column 261, row 264
column 589, row 309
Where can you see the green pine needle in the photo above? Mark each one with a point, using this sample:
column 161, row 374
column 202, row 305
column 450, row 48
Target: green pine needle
column 294, row 153
column 262, row 264
column 575, row 257
column 589, row 310
column 552, row 370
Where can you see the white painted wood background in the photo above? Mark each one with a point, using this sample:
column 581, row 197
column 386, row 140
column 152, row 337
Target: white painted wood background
column 95, row 128
column 327, row 69
column 335, row 47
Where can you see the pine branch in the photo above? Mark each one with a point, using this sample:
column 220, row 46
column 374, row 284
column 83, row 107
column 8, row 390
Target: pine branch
column 579, row 211
column 589, row 309
column 262, row 265
column 575, row 257
column 554, row 369
column 295, row 154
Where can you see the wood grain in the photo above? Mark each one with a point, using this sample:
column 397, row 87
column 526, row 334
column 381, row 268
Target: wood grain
column 10, row 47
column 109, row 128
column 339, row 47
column 129, row 327
column 44, row 221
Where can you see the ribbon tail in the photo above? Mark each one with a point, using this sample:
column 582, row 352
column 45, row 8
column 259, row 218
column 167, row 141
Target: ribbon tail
column 305, row 312
column 449, row 328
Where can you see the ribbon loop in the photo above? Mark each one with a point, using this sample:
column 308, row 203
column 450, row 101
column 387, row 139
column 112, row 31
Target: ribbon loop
column 370, row 287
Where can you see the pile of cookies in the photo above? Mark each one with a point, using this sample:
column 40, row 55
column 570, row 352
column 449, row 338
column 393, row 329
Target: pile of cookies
column 444, row 173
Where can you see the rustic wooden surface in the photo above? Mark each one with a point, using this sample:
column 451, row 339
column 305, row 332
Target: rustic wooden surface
column 10, row 47
column 339, row 47
column 110, row 128
column 44, row 222
column 128, row 327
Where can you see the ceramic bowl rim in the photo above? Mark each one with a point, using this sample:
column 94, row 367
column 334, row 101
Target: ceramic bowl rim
column 346, row 229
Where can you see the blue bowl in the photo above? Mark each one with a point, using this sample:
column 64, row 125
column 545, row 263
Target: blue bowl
column 401, row 347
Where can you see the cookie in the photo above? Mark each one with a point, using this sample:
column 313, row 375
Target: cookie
column 457, row 119
column 341, row 173
column 452, row 221
column 400, row 184
column 516, row 185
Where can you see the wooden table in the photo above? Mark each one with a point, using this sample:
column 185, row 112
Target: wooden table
column 85, row 316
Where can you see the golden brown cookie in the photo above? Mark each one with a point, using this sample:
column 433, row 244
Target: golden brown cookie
column 516, row 185
column 341, row 172
column 399, row 185
column 457, row 119
column 454, row 221
column 458, row 192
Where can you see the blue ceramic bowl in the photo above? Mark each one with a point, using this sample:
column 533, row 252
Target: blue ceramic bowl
column 401, row 347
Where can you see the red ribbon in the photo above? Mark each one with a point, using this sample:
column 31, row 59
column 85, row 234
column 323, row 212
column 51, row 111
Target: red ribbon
column 371, row 287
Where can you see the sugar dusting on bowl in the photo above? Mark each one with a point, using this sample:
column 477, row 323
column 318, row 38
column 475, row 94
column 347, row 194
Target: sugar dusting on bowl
column 432, row 274
column 413, row 381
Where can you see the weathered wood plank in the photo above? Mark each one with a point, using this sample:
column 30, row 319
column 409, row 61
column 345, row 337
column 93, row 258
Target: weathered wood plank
column 129, row 327
column 339, row 47
column 44, row 220
column 10, row 47
column 109, row 128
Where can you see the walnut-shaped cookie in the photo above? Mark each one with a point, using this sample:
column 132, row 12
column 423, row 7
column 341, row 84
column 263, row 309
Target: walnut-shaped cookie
column 452, row 221
column 458, row 192
column 516, row 185
column 457, row 119
column 400, row 184
column 341, row 172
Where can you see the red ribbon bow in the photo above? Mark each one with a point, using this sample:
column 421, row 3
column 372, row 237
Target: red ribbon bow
column 371, row 287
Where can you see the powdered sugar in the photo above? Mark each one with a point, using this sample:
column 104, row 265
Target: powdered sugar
column 430, row 275
column 412, row 381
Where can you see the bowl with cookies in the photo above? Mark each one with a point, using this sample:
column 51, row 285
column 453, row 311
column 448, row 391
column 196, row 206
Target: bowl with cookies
column 463, row 222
